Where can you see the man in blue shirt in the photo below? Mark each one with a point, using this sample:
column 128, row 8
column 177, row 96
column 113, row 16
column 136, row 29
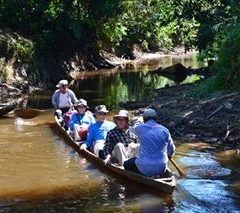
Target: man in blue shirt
column 97, row 132
column 81, row 120
column 156, row 146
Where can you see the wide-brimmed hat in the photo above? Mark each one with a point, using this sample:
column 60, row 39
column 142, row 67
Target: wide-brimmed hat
column 62, row 83
column 150, row 113
column 101, row 108
column 82, row 102
column 122, row 113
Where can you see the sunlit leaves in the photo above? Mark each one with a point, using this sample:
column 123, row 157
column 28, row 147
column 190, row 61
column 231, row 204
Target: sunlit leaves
column 114, row 31
column 54, row 9
column 123, row 24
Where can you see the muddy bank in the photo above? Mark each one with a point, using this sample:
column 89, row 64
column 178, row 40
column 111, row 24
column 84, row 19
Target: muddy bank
column 13, row 97
column 211, row 118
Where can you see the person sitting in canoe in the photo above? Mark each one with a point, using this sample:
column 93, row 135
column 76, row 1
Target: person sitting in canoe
column 81, row 120
column 156, row 146
column 62, row 99
column 97, row 132
column 120, row 140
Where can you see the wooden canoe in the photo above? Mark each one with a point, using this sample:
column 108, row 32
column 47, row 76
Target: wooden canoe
column 7, row 107
column 159, row 184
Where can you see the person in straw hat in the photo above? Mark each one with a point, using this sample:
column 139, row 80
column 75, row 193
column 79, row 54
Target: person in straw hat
column 117, row 146
column 63, row 98
column 97, row 132
column 156, row 146
column 81, row 120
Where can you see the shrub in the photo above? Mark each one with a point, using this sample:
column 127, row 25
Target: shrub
column 228, row 65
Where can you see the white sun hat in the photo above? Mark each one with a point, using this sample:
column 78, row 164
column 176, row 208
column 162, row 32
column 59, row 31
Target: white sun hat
column 62, row 83
column 122, row 113
column 101, row 108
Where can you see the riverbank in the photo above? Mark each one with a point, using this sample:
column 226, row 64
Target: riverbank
column 212, row 118
column 143, row 57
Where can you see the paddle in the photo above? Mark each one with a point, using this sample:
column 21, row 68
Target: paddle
column 29, row 113
column 180, row 170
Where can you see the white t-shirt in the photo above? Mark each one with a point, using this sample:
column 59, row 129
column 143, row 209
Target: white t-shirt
column 63, row 100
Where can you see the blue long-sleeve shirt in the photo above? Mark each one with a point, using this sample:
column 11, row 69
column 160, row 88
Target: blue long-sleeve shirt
column 156, row 145
column 80, row 119
column 98, row 131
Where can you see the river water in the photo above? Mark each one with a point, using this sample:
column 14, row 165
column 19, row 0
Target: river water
column 39, row 172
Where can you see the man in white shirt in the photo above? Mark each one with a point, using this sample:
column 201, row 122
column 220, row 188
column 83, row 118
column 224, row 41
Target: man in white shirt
column 63, row 98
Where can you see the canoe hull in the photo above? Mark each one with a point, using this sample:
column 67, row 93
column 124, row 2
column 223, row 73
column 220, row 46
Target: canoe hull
column 159, row 184
column 6, row 108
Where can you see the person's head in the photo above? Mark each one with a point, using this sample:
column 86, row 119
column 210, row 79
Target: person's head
column 62, row 85
column 101, row 112
column 149, row 114
column 81, row 106
column 121, row 119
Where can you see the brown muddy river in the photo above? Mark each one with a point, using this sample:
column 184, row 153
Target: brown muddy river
column 39, row 172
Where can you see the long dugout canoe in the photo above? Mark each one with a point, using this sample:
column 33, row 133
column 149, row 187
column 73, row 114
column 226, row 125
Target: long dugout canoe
column 163, row 184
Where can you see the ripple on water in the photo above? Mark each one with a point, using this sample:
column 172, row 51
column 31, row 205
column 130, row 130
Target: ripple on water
column 211, row 193
column 204, row 166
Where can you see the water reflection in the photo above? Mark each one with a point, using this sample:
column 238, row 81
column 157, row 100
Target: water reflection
column 130, row 83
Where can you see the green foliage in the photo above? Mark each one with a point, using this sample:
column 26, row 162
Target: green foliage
column 227, row 66
column 206, row 86
column 17, row 47
column 222, row 19
column 150, row 24
column 114, row 31
column 74, row 25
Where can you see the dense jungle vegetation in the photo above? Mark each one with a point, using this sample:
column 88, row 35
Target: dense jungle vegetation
column 60, row 31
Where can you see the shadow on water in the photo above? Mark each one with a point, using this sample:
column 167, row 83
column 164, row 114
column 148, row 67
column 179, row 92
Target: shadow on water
column 109, row 197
